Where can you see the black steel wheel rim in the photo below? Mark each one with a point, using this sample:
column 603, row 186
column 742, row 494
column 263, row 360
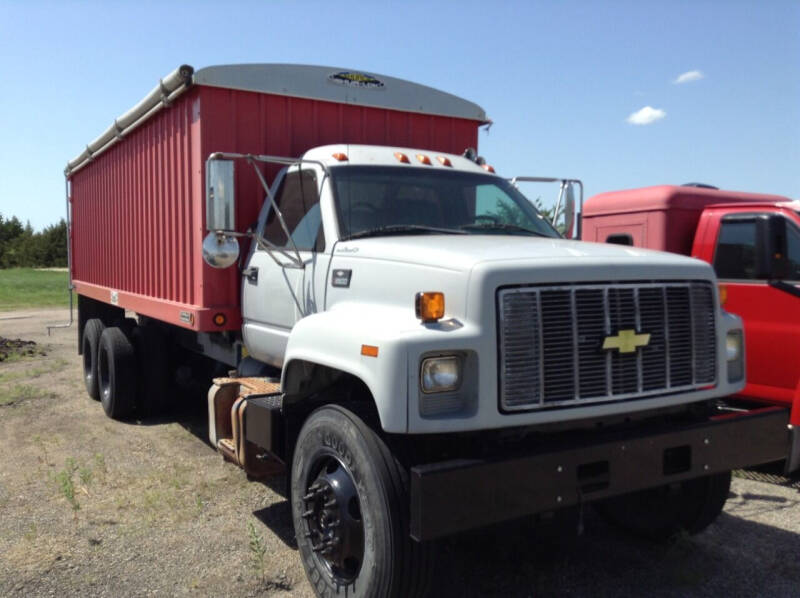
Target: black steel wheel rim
column 332, row 518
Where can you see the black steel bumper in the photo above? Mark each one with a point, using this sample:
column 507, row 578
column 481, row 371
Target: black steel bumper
column 457, row 495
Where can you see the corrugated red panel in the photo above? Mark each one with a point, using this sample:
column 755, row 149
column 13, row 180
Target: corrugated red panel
column 138, row 212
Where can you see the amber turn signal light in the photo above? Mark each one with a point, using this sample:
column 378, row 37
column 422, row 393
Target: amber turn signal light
column 429, row 306
column 369, row 350
column 723, row 294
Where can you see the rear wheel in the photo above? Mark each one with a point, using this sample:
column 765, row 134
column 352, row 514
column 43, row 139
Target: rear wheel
column 90, row 347
column 116, row 373
column 350, row 511
column 660, row 513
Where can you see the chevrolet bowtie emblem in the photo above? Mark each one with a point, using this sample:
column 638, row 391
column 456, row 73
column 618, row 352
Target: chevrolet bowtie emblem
column 626, row 341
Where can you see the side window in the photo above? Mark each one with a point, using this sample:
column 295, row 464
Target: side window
column 298, row 200
column 492, row 204
column 793, row 251
column 735, row 256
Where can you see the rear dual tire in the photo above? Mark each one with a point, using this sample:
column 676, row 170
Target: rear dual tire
column 116, row 373
column 90, row 347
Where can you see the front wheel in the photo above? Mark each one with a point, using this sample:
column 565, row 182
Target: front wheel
column 660, row 513
column 350, row 511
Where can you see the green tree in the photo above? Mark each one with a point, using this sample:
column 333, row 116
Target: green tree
column 21, row 247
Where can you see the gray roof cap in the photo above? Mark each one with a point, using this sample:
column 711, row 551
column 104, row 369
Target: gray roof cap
column 339, row 85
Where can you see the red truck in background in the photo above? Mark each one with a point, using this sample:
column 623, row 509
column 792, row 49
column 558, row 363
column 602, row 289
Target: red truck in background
column 753, row 242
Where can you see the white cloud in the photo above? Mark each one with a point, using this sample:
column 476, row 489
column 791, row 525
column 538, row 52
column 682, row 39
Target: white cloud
column 646, row 116
column 689, row 76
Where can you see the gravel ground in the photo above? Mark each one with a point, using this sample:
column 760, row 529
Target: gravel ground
column 89, row 506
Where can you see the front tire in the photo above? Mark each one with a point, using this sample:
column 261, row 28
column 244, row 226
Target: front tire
column 350, row 511
column 661, row 513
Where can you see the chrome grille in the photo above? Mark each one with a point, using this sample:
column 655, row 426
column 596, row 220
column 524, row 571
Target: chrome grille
column 551, row 340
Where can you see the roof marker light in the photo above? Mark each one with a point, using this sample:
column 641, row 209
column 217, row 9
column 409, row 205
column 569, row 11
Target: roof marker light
column 488, row 168
column 342, row 157
column 424, row 159
column 401, row 157
column 444, row 161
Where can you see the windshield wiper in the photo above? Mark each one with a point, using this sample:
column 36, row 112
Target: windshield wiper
column 512, row 228
column 400, row 229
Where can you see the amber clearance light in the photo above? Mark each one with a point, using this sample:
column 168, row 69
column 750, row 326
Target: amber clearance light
column 429, row 306
column 723, row 294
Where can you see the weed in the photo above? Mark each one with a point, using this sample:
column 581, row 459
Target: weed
column 31, row 534
column 40, row 443
column 64, row 480
column 100, row 466
column 85, row 474
column 258, row 550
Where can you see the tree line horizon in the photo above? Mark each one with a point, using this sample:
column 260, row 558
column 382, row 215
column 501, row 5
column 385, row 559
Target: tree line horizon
column 22, row 247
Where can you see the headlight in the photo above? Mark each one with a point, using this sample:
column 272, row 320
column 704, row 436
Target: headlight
column 733, row 345
column 440, row 374
column 734, row 351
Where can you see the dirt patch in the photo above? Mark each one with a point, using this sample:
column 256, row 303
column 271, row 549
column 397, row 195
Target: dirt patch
column 89, row 506
column 16, row 348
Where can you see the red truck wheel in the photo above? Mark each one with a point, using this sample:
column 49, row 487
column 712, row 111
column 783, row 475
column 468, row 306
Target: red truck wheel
column 660, row 513
column 90, row 346
column 116, row 373
column 350, row 511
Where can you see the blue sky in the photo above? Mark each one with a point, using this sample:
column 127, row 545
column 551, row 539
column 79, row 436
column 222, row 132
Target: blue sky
column 559, row 79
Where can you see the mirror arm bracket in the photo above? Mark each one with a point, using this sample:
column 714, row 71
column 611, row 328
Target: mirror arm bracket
column 298, row 261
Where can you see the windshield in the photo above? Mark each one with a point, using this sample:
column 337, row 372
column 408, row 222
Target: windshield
column 391, row 200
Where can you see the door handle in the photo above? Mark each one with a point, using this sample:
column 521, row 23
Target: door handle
column 251, row 274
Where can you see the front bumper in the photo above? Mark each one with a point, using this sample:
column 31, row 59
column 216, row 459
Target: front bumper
column 457, row 495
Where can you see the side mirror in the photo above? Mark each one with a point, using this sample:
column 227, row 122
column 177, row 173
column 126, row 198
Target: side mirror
column 569, row 210
column 219, row 249
column 220, row 199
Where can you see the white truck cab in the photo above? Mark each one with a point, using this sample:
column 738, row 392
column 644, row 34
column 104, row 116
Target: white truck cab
column 373, row 227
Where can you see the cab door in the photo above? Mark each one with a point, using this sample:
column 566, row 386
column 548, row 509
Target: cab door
column 748, row 245
column 277, row 291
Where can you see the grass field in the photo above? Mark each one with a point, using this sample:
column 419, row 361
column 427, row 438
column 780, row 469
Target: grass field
column 27, row 287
